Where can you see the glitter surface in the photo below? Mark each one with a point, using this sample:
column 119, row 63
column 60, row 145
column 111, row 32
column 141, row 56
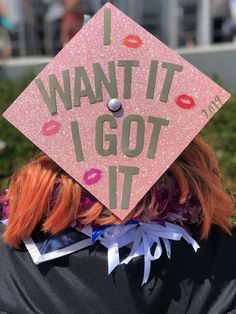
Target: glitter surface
column 29, row 113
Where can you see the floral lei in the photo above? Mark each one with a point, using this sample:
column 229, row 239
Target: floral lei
column 147, row 239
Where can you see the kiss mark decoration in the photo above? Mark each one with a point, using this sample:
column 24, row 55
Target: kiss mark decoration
column 115, row 108
column 51, row 127
column 132, row 41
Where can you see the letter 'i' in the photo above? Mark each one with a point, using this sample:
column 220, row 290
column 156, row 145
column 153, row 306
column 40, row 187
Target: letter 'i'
column 128, row 172
column 107, row 27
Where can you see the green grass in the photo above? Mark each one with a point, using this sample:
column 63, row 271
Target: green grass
column 220, row 133
column 18, row 149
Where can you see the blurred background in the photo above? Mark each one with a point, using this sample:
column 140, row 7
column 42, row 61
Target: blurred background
column 202, row 31
column 42, row 27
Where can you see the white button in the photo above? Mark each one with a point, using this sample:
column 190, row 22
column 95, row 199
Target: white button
column 114, row 105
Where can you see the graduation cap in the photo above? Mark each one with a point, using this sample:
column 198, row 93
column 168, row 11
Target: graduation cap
column 115, row 108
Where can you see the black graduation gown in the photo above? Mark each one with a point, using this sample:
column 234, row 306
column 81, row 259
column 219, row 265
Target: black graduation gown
column 189, row 282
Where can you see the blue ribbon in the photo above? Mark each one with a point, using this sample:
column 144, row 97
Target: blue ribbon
column 99, row 230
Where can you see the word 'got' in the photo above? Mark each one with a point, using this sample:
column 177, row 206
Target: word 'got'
column 111, row 139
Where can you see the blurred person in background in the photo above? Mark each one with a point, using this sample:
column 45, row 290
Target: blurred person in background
column 220, row 13
column 17, row 33
column 5, row 27
column 229, row 26
column 188, row 22
column 52, row 26
column 233, row 17
column 34, row 13
column 72, row 20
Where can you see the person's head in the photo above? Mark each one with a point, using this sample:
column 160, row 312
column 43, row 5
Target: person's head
column 41, row 193
column 3, row 10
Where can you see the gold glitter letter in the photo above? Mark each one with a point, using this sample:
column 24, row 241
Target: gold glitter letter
column 128, row 65
column 50, row 99
column 129, row 172
column 171, row 69
column 77, row 141
column 157, row 124
column 139, row 135
column 80, row 74
column 112, row 139
column 113, row 187
column 100, row 77
column 152, row 80
column 107, row 27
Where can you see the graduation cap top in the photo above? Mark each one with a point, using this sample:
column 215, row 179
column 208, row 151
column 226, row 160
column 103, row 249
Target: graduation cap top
column 115, row 108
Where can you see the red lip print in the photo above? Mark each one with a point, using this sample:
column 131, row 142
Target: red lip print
column 92, row 176
column 51, row 127
column 185, row 101
column 132, row 41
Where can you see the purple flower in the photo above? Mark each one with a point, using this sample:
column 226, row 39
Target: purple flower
column 87, row 200
column 172, row 211
column 4, row 204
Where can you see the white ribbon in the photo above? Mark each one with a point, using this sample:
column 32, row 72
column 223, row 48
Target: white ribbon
column 143, row 236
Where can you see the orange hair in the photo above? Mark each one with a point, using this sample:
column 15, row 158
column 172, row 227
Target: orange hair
column 34, row 201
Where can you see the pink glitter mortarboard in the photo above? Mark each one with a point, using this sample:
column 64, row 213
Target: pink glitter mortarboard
column 68, row 111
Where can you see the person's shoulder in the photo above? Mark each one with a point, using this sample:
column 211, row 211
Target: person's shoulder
column 221, row 243
column 2, row 229
column 4, row 248
column 219, row 234
column 233, row 235
column 234, row 231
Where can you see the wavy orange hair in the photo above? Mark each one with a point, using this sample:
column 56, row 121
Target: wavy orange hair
column 31, row 189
